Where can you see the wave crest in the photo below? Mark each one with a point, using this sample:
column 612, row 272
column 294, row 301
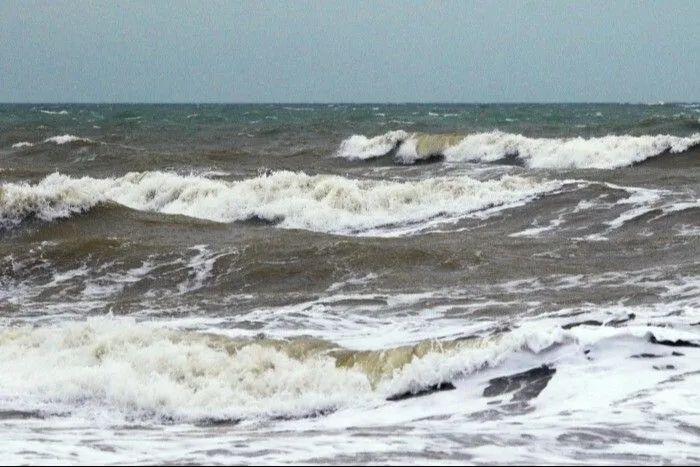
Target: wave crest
column 324, row 203
column 607, row 152
column 65, row 139
column 141, row 370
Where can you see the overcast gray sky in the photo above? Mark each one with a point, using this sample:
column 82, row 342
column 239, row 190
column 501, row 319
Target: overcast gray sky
column 349, row 51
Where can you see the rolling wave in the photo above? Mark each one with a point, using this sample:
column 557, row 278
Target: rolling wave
column 143, row 371
column 323, row 203
column 146, row 372
column 58, row 140
column 607, row 152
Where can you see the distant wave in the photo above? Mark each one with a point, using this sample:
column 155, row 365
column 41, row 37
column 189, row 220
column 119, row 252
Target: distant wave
column 54, row 112
column 607, row 152
column 324, row 203
column 58, row 139
column 361, row 147
column 64, row 139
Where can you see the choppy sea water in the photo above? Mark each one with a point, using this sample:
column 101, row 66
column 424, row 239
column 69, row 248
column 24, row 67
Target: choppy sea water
column 356, row 284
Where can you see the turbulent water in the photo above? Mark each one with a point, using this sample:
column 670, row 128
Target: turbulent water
column 384, row 284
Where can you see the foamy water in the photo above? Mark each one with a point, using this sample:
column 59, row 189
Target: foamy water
column 349, row 284
column 607, row 152
column 609, row 389
column 291, row 199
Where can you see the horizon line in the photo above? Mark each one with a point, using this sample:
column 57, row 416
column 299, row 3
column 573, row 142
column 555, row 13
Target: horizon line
column 657, row 102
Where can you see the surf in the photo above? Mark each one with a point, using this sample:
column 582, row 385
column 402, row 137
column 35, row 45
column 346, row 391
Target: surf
column 285, row 199
column 606, row 152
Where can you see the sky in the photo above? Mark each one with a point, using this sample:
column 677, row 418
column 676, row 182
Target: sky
column 349, row 51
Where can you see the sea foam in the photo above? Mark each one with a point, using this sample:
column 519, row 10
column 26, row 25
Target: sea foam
column 64, row 139
column 146, row 371
column 325, row 203
column 607, row 152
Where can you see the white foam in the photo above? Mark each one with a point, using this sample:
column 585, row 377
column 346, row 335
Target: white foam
column 352, row 281
column 614, row 214
column 605, row 152
column 61, row 277
column 54, row 112
column 361, row 147
column 682, row 206
column 323, row 203
column 54, row 197
column 687, row 230
column 645, row 201
column 109, row 371
column 537, row 230
column 200, row 267
column 438, row 367
column 111, row 283
column 125, row 369
column 64, row 139
column 22, row 144
column 366, row 321
column 215, row 173
column 604, row 402
column 601, row 153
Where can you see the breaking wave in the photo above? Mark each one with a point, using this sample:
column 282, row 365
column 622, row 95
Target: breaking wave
column 607, row 152
column 324, row 203
column 143, row 371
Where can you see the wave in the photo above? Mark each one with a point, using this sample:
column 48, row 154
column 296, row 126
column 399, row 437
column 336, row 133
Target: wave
column 59, row 140
column 143, row 371
column 136, row 371
column 324, row 203
column 362, row 147
column 607, row 152
column 64, row 139
column 54, row 112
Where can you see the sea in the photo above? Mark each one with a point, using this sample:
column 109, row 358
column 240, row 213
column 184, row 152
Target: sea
column 353, row 284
